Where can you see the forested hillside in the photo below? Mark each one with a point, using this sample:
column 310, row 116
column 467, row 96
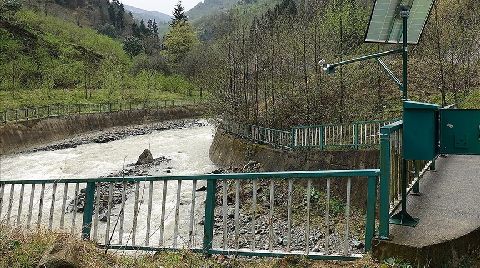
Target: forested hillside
column 162, row 20
column 258, row 60
column 261, row 64
column 209, row 7
column 46, row 60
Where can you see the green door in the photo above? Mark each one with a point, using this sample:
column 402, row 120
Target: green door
column 460, row 131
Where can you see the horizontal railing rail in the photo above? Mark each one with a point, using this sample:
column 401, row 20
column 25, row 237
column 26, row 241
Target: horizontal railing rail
column 252, row 214
column 356, row 135
column 55, row 110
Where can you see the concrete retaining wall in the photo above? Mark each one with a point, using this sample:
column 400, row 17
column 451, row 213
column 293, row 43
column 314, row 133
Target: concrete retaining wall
column 27, row 135
column 231, row 151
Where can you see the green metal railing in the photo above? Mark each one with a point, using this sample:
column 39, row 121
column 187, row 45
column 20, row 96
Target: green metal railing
column 363, row 134
column 55, row 110
column 393, row 169
column 274, row 137
column 165, row 212
column 356, row 135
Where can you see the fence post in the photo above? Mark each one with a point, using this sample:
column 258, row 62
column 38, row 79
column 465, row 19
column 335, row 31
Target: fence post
column 321, row 136
column 432, row 166
column 370, row 221
column 384, row 210
column 209, row 216
column 292, row 138
column 88, row 210
column 355, row 136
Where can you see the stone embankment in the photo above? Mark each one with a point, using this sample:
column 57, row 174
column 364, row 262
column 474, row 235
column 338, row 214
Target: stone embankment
column 27, row 135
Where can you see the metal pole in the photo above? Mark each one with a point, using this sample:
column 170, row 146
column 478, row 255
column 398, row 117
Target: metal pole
column 402, row 217
column 405, row 13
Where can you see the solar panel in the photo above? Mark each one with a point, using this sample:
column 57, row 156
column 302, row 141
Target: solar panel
column 385, row 24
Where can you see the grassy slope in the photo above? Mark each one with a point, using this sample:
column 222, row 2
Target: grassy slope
column 19, row 249
column 45, row 60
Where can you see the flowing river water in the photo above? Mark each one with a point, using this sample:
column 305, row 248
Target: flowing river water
column 186, row 147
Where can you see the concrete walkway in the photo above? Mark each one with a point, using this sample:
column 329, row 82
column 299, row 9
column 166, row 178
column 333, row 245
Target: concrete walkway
column 449, row 212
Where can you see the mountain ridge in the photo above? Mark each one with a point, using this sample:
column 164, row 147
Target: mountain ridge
column 142, row 14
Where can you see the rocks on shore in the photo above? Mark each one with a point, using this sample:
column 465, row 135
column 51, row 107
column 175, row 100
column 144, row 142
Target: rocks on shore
column 146, row 162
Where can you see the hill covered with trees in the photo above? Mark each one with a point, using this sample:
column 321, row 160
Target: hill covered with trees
column 45, row 60
column 260, row 60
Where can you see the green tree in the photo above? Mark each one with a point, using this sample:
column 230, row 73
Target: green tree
column 178, row 14
column 132, row 46
column 179, row 41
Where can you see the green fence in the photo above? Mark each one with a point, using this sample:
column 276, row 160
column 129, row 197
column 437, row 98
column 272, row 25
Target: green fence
column 393, row 168
column 214, row 214
column 55, row 110
column 356, row 135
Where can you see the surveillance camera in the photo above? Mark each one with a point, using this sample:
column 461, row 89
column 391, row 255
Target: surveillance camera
column 329, row 69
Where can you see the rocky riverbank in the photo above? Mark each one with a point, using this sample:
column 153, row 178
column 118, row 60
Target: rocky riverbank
column 141, row 168
column 272, row 231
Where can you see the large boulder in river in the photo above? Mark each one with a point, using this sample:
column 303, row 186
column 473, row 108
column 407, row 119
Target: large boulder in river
column 145, row 158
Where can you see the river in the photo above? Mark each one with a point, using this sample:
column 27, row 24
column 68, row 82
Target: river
column 186, row 147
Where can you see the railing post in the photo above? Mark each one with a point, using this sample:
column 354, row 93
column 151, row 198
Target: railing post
column 432, row 166
column 370, row 221
column 209, row 216
column 293, row 138
column 355, row 136
column 416, row 186
column 88, row 210
column 321, row 137
column 384, row 211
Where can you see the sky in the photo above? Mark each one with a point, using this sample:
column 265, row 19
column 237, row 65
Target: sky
column 164, row 6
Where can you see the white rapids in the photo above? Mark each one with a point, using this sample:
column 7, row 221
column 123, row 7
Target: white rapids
column 187, row 148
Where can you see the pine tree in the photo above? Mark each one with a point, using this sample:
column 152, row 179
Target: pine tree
column 155, row 28
column 143, row 29
column 150, row 26
column 135, row 30
column 120, row 16
column 179, row 14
